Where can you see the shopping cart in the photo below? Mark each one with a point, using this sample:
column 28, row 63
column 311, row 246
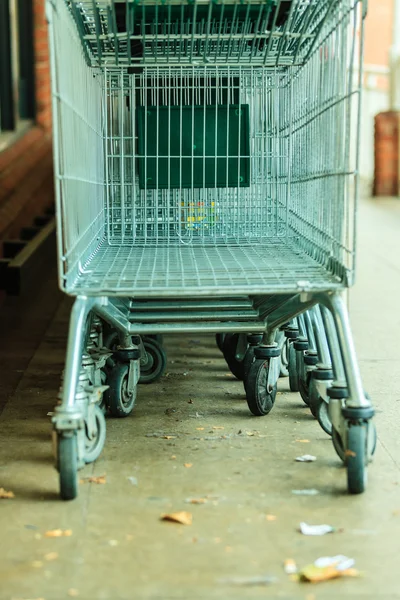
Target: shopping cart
column 205, row 182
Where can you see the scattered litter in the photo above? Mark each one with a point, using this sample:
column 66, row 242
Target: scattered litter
column 239, row 432
column 303, row 441
column 250, row 433
column 51, row 556
column 315, row 529
column 170, row 411
column 4, row 495
column 50, row 414
column 257, row 580
column 37, row 564
column 73, row 593
column 228, row 375
column 169, row 437
column 218, row 427
column 113, row 542
column 307, row 492
column 306, row 458
column 100, row 479
column 183, row 517
column 290, row 566
column 58, row 533
column 328, row 567
column 350, row 453
column 173, row 457
column 188, row 465
column 200, row 428
column 196, row 500
column 160, row 434
column 190, row 401
column 271, row 517
column 133, row 480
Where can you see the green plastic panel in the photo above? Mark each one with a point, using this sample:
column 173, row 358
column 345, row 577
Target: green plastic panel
column 194, row 146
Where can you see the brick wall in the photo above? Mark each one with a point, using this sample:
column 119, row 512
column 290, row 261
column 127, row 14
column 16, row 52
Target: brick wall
column 42, row 66
column 387, row 173
column 26, row 166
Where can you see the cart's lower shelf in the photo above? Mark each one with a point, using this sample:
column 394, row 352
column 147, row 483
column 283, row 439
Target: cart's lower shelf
column 152, row 270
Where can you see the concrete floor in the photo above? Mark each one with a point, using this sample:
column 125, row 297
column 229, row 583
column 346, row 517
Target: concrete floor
column 119, row 548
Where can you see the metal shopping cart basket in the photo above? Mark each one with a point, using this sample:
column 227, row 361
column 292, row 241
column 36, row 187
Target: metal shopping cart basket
column 205, row 162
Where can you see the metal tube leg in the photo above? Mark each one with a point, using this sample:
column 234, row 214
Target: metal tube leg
column 312, row 345
column 80, row 310
column 338, row 309
column 320, row 336
column 333, row 343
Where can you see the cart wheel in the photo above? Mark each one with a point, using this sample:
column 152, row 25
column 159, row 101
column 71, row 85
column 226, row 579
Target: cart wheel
column 229, row 350
column 93, row 447
column 304, row 391
column 338, row 445
column 292, row 369
column 260, row 399
column 357, row 473
column 67, row 459
column 119, row 401
column 322, row 413
column 156, row 361
column 247, row 362
column 219, row 338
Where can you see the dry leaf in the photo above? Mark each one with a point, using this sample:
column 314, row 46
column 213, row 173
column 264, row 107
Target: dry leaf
column 101, row 479
column 51, row 556
column 228, row 548
column 317, row 574
column 228, row 375
column 249, row 433
column 270, row 517
column 173, row 457
column 183, row 517
column 58, row 533
column 290, row 566
column 196, row 500
column 73, row 592
column 4, row 495
column 200, row 428
column 218, row 427
column 37, row 564
column 350, row 453
column 303, row 441
column 188, row 465
column 169, row 437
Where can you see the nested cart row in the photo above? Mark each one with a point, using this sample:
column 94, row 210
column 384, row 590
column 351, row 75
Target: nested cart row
column 206, row 180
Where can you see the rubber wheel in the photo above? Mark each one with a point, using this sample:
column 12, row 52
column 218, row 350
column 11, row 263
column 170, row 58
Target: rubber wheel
column 338, row 445
column 247, row 362
column 94, row 447
column 292, row 369
column 229, row 350
column 322, row 414
column 156, row 363
column 259, row 399
column 219, row 338
column 119, row 402
column 304, row 392
column 357, row 473
column 67, row 458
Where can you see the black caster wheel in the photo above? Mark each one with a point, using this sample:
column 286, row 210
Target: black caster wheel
column 338, row 445
column 292, row 369
column 67, row 459
column 219, row 338
column 247, row 362
column 304, row 392
column 322, row 414
column 94, row 446
column 260, row 398
column 119, row 400
column 156, row 361
column 356, row 455
column 229, row 350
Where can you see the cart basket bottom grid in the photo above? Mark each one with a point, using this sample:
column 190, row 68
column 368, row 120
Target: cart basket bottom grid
column 274, row 266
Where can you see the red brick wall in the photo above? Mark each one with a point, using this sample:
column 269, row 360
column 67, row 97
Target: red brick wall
column 42, row 66
column 387, row 174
